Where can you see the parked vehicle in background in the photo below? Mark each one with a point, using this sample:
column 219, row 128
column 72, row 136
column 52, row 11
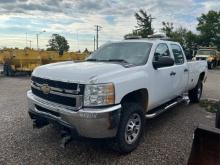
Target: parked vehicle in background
column 210, row 54
column 26, row 60
column 110, row 94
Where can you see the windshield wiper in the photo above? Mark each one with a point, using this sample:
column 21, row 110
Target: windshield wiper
column 111, row 60
column 118, row 60
column 94, row 59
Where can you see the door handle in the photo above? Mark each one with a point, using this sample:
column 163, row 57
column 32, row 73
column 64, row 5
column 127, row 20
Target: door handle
column 186, row 70
column 172, row 73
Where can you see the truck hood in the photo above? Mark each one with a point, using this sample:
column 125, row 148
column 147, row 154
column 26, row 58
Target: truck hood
column 82, row 72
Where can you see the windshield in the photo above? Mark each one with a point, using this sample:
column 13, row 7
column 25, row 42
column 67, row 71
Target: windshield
column 206, row 52
column 135, row 53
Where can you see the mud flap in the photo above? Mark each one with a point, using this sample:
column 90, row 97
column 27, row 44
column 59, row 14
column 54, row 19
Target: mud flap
column 206, row 147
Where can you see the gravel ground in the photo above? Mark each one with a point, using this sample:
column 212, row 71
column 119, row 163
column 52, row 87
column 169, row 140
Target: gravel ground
column 167, row 139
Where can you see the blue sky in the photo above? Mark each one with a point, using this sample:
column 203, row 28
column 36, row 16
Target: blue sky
column 76, row 19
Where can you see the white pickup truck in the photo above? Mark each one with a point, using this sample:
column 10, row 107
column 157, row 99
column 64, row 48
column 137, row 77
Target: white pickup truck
column 111, row 93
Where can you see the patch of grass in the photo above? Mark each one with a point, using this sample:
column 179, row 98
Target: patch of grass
column 210, row 105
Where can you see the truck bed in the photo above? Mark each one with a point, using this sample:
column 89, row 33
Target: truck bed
column 195, row 67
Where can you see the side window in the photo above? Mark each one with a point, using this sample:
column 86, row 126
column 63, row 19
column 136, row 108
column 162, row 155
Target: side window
column 178, row 54
column 161, row 51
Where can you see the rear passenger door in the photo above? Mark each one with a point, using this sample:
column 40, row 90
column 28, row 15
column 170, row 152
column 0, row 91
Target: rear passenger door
column 180, row 79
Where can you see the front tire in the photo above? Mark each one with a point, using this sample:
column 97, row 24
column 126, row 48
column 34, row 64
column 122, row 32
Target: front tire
column 130, row 128
column 196, row 93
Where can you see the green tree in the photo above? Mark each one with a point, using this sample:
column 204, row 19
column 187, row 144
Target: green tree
column 86, row 51
column 179, row 35
column 186, row 38
column 134, row 33
column 209, row 28
column 191, row 40
column 144, row 24
column 58, row 43
column 167, row 28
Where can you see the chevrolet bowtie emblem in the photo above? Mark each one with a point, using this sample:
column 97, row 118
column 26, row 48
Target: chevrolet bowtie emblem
column 45, row 89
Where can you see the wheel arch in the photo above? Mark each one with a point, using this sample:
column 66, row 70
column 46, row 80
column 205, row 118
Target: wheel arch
column 202, row 76
column 139, row 96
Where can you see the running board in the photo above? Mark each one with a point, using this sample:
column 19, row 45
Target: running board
column 157, row 111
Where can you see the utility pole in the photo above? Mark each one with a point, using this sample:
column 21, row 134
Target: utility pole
column 77, row 37
column 151, row 19
column 30, row 43
column 26, row 39
column 38, row 36
column 37, row 42
column 98, row 28
column 94, row 43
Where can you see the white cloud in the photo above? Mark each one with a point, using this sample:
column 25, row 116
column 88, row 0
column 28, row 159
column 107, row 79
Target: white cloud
column 211, row 5
column 78, row 17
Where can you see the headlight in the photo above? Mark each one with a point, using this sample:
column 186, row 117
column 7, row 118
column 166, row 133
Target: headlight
column 99, row 94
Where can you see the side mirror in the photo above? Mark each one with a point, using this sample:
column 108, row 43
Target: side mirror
column 163, row 62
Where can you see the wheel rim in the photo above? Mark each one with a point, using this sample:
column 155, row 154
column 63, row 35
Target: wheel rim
column 133, row 127
column 199, row 92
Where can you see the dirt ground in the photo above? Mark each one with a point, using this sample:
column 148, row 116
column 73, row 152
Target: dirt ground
column 167, row 138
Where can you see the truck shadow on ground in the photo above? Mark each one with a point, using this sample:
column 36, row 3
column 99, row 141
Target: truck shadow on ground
column 19, row 74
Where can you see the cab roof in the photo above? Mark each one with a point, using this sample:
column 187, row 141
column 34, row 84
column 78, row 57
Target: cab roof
column 149, row 40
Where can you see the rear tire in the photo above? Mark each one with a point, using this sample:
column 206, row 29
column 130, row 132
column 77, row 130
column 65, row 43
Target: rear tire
column 29, row 73
column 196, row 93
column 215, row 63
column 211, row 65
column 130, row 128
column 11, row 72
column 5, row 70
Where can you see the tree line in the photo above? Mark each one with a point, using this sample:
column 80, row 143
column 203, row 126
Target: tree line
column 208, row 28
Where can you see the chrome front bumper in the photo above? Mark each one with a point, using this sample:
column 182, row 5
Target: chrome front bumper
column 88, row 122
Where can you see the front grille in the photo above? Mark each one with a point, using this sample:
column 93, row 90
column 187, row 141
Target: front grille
column 58, row 84
column 64, row 93
column 54, row 98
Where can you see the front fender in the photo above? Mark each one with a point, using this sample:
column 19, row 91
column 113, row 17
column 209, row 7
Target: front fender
column 128, row 83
